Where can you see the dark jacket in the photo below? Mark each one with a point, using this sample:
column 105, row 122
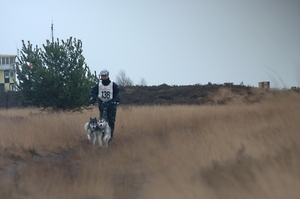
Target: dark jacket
column 95, row 90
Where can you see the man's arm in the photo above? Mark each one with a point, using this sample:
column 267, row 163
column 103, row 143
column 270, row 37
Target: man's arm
column 116, row 92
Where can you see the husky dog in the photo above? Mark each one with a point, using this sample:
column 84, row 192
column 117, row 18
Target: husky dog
column 98, row 129
column 104, row 132
column 92, row 128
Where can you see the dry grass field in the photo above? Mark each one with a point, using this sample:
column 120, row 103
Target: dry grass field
column 159, row 152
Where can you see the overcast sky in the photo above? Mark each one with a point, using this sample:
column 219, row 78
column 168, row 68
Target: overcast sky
column 177, row 42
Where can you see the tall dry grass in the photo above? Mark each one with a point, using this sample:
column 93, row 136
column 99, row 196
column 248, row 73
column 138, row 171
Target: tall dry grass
column 233, row 151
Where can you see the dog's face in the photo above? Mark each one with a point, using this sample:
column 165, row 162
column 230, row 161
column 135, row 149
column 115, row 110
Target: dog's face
column 102, row 123
column 93, row 124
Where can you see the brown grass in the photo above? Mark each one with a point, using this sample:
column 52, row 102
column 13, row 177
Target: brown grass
column 232, row 151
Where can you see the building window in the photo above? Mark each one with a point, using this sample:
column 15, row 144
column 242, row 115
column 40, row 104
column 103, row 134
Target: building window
column 7, row 60
column 6, row 74
column 12, row 60
column 11, row 74
column 3, row 60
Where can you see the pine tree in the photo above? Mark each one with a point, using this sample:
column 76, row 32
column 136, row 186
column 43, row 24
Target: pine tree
column 55, row 76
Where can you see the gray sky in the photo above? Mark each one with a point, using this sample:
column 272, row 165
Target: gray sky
column 177, row 42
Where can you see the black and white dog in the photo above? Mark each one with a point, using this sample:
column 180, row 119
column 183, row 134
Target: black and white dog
column 98, row 129
column 91, row 128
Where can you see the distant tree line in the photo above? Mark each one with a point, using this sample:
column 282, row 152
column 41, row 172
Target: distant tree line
column 167, row 95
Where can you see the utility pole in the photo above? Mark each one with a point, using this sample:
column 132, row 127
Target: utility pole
column 52, row 32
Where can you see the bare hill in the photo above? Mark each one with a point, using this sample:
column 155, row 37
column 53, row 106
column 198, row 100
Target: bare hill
column 192, row 94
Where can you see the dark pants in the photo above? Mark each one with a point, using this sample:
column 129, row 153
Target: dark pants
column 111, row 111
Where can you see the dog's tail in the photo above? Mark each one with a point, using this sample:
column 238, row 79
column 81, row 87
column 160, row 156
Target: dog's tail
column 86, row 126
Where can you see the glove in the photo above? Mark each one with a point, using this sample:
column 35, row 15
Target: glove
column 92, row 101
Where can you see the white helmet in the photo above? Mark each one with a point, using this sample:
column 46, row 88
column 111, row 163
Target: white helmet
column 104, row 72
